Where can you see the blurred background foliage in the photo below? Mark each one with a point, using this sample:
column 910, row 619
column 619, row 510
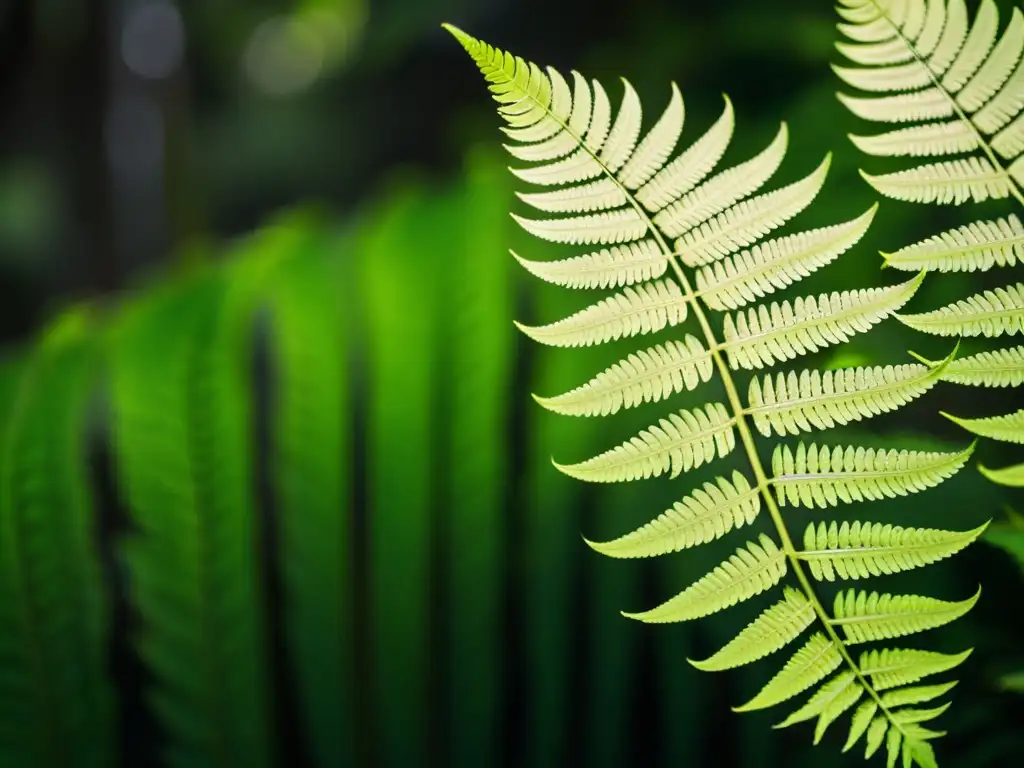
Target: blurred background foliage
column 272, row 488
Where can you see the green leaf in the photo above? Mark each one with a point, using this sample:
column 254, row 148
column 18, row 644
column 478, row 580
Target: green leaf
column 868, row 617
column 813, row 662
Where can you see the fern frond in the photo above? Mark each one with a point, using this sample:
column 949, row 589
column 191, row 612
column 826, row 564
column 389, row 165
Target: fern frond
column 859, row 550
column 950, row 181
column 990, row 313
column 647, row 376
column 608, row 268
column 1010, row 476
column 817, row 659
column 609, row 184
column 707, row 514
column 998, row 368
column 978, row 246
column 765, row 268
column 868, row 617
column 773, row 630
column 647, row 308
column 750, row 571
column 1008, row 428
column 679, row 443
column 813, row 399
column 765, row 335
column 819, row 476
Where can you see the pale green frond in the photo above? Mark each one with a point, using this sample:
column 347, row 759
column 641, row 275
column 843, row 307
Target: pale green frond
column 579, row 166
column 749, row 220
column 773, row 630
column 927, row 104
column 645, row 308
column 608, row 268
column 1005, row 105
column 842, row 702
column 563, row 142
column 600, row 195
column 1010, row 476
column 835, row 689
column 891, row 51
column 990, row 313
column 996, row 68
column 752, row 570
column 707, row 514
column 1009, row 142
column 644, row 377
column 919, row 732
column 907, row 716
column 977, row 246
column 775, row 264
column 858, row 12
column 892, row 668
column 949, row 181
column 1008, row 428
column 874, row 31
column 954, row 32
column 686, row 171
column 976, row 47
column 817, row 659
column 820, row 476
column 764, row 335
column 657, row 145
column 898, row 77
column 859, row 723
column 607, row 227
column 893, row 742
column 723, row 189
column 902, row 697
column 866, row 617
column 812, row 399
column 859, row 550
column 681, row 442
column 928, row 140
column 998, row 368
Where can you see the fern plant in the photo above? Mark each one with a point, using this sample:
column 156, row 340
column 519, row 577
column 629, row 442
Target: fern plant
column 963, row 91
column 679, row 240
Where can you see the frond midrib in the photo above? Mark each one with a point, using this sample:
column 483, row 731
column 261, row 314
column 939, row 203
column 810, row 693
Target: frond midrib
column 739, row 419
column 983, row 143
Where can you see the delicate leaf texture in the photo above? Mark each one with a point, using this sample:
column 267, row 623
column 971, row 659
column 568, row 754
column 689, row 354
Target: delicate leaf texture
column 750, row 571
column 645, row 309
column 763, row 335
column 868, row 617
column 889, row 668
column 810, row 400
column 707, row 514
column 962, row 82
column 1009, row 428
column 654, row 217
column 974, row 247
column 992, row 313
column 902, row 697
column 819, row 476
column 778, row 626
column 647, row 376
column 859, row 550
column 998, row 368
column 676, row 444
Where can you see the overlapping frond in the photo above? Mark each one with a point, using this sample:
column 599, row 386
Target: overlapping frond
column 653, row 216
column 1012, row 476
column 858, row 550
column 961, row 83
column 820, row 476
